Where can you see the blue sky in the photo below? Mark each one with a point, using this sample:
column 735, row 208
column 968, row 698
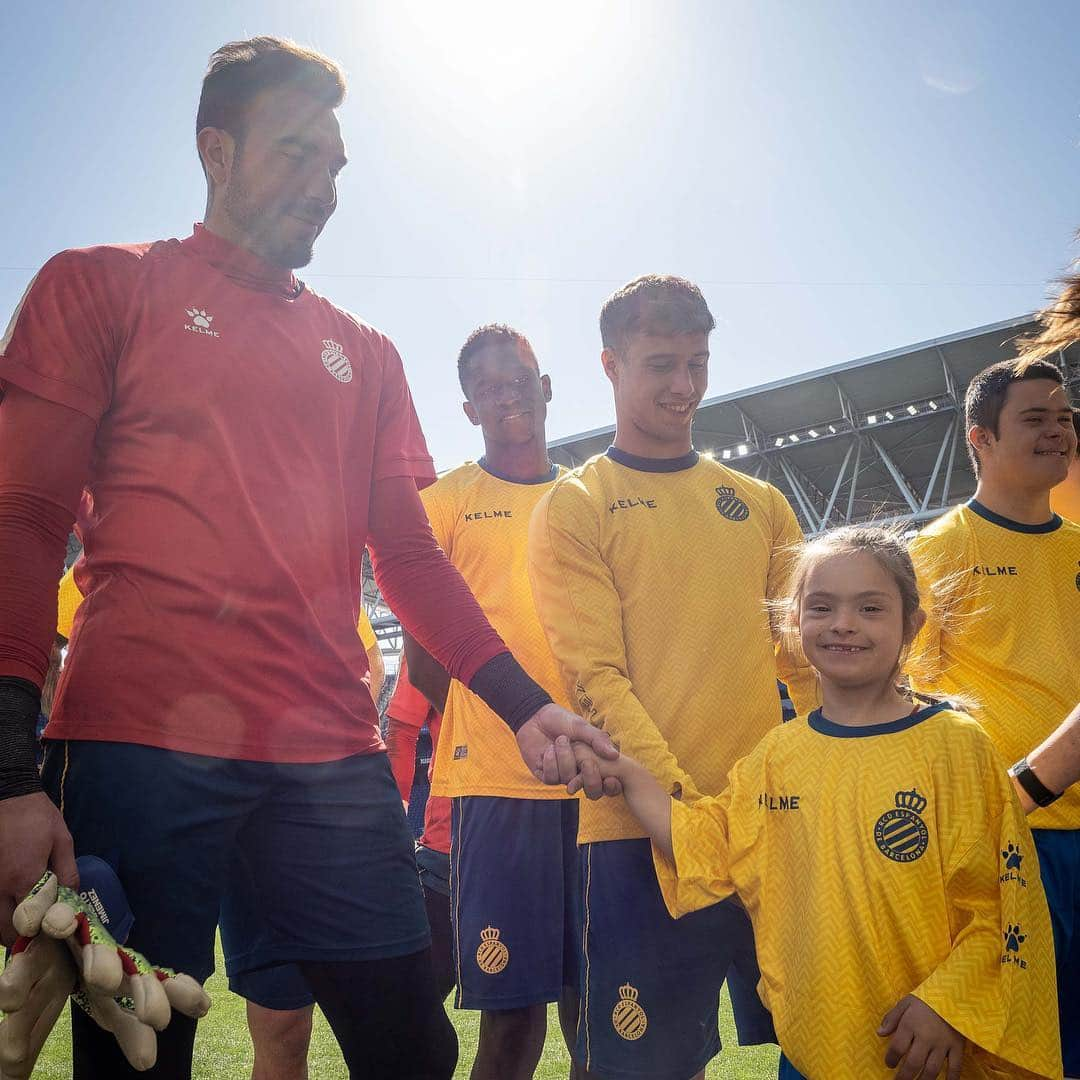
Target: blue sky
column 841, row 178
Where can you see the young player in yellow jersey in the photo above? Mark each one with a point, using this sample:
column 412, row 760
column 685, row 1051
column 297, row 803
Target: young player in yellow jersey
column 882, row 855
column 513, row 886
column 651, row 567
column 1010, row 633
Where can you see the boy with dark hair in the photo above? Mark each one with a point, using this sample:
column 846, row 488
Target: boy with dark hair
column 1010, row 635
column 653, row 518
column 240, row 439
column 513, row 888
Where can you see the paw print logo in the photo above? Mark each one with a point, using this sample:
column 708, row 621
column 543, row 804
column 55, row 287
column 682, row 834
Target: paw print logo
column 200, row 318
column 1012, row 857
column 1013, row 938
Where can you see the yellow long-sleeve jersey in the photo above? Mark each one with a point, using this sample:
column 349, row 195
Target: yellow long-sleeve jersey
column 652, row 588
column 482, row 523
column 877, row 862
column 1004, row 628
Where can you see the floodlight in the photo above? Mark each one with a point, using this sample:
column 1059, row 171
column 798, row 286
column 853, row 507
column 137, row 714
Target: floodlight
column 889, row 415
column 911, row 409
column 812, row 433
column 743, row 449
column 872, row 418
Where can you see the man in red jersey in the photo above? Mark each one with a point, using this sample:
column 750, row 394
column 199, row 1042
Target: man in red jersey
column 230, row 441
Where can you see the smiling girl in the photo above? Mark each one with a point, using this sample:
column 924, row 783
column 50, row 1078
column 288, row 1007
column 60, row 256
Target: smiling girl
column 879, row 849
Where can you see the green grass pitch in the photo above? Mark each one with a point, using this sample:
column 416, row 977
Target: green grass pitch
column 223, row 1050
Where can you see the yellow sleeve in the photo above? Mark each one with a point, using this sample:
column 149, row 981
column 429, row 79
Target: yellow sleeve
column 434, row 499
column 580, row 610
column 366, row 631
column 800, row 678
column 714, row 841
column 68, row 603
column 698, row 876
column 997, row 986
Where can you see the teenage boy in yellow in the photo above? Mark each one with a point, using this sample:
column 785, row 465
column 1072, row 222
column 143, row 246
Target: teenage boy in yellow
column 513, row 884
column 1009, row 636
column 652, row 567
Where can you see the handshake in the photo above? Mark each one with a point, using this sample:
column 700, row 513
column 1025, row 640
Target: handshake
column 63, row 950
column 561, row 748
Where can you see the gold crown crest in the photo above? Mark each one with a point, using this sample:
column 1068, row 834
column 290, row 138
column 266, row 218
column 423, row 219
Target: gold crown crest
column 490, row 934
column 328, row 344
column 724, row 491
column 910, row 800
column 628, row 993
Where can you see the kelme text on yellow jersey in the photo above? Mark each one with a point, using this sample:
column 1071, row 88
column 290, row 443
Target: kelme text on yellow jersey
column 482, row 522
column 1005, row 629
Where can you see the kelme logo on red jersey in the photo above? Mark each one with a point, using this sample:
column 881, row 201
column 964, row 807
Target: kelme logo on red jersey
column 200, row 322
column 336, row 362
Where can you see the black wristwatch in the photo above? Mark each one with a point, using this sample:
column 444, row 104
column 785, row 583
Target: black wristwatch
column 1040, row 794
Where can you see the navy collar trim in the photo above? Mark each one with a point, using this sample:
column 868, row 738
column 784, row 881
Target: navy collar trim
column 1015, row 526
column 551, row 474
column 824, row 726
column 651, row 464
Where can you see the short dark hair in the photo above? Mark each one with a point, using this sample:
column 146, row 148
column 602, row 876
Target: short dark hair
column 986, row 393
column 481, row 338
column 239, row 71
column 658, row 303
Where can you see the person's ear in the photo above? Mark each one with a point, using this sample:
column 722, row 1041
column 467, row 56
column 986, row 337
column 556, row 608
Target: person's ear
column 217, row 149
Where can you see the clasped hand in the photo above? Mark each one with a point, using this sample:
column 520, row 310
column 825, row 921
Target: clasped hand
column 561, row 748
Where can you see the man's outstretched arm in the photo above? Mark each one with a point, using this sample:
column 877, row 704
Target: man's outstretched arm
column 435, row 606
column 1054, row 764
column 426, row 673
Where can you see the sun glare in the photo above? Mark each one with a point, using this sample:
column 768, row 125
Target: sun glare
column 506, row 66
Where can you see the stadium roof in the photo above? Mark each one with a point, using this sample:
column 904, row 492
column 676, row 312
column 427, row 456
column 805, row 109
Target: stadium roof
column 881, row 437
column 876, row 437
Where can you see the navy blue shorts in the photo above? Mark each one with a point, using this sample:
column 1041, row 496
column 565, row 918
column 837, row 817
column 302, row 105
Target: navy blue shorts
column 513, row 900
column 282, row 986
column 318, row 856
column 1059, row 863
column 787, row 1071
column 651, row 983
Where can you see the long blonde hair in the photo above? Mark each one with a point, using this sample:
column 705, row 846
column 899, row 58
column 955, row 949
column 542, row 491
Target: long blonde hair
column 1059, row 323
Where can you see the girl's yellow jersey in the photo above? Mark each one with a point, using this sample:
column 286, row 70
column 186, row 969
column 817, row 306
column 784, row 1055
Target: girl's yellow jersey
column 877, row 862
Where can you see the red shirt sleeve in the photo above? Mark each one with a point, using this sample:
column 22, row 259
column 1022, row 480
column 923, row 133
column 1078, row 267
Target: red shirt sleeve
column 44, row 459
column 65, row 335
column 400, row 447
